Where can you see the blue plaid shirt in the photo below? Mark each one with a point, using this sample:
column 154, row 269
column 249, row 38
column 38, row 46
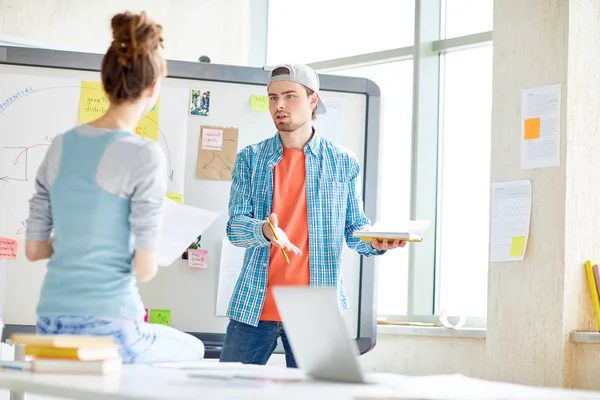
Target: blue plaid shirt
column 335, row 211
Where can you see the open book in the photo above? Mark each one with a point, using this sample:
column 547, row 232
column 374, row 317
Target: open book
column 411, row 231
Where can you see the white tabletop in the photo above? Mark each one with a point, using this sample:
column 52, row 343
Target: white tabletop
column 148, row 382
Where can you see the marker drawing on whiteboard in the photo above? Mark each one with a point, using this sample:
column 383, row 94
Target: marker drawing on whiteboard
column 21, row 153
column 6, row 103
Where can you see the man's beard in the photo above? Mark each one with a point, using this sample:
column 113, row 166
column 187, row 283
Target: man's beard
column 289, row 126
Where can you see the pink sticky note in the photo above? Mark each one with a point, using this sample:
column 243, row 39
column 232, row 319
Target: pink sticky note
column 198, row 258
column 8, row 248
column 146, row 316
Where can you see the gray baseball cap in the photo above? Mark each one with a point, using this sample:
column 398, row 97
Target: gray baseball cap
column 302, row 74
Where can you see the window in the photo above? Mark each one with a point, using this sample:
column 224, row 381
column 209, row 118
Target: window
column 315, row 30
column 395, row 81
column 467, row 17
column 451, row 184
column 464, row 180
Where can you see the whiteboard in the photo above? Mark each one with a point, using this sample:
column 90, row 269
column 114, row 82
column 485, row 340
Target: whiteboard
column 41, row 100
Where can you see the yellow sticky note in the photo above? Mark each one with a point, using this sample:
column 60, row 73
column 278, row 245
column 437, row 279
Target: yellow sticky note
column 178, row 197
column 148, row 125
column 517, row 246
column 93, row 103
column 259, row 103
column 532, row 128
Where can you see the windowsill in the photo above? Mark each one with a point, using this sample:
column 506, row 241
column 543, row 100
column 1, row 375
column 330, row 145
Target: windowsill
column 585, row 337
column 433, row 331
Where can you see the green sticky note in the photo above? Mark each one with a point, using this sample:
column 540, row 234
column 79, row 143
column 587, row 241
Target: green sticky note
column 162, row 317
column 259, row 103
column 517, row 246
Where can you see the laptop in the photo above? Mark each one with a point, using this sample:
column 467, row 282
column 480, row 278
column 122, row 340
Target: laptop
column 317, row 333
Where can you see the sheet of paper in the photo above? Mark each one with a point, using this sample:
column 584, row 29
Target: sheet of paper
column 181, row 226
column 232, row 258
column 540, row 127
column 217, row 152
column 509, row 225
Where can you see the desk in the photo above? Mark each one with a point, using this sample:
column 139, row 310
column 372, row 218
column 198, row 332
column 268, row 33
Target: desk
column 147, row 382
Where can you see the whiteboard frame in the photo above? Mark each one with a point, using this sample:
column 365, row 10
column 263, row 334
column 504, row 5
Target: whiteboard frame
column 366, row 337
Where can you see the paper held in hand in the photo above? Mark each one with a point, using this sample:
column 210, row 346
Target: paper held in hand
column 181, row 225
column 411, row 231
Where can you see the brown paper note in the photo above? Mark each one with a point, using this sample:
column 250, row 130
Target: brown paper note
column 217, row 151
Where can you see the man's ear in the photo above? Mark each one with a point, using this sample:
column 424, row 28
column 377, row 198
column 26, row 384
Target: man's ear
column 314, row 98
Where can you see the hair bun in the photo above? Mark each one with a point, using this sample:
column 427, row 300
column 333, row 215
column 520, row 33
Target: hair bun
column 134, row 35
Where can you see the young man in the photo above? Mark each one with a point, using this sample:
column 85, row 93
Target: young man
column 306, row 187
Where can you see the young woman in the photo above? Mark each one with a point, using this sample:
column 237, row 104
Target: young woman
column 97, row 209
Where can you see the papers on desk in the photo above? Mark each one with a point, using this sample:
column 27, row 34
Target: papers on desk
column 511, row 212
column 181, row 226
column 411, row 231
column 232, row 258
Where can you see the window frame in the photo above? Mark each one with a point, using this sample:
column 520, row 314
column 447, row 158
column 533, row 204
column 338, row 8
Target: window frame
column 428, row 75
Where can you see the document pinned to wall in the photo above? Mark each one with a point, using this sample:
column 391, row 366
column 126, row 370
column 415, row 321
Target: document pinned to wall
column 232, row 258
column 509, row 225
column 217, row 152
column 540, row 127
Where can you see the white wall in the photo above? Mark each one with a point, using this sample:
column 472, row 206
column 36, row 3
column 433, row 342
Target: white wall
column 219, row 29
column 534, row 304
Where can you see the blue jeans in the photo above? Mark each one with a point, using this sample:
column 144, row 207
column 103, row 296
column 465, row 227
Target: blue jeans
column 254, row 345
column 140, row 342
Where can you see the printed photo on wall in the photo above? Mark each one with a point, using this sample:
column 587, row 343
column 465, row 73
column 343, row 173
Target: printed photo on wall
column 200, row 103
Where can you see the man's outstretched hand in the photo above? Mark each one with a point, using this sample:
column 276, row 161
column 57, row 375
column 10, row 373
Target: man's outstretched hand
column 278, row 238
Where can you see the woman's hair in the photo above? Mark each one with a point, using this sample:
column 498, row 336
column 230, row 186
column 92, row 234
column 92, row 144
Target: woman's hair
column 134, row 59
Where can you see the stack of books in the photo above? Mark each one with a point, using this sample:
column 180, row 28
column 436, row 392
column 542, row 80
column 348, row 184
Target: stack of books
column 67, row 354
column 593, row 274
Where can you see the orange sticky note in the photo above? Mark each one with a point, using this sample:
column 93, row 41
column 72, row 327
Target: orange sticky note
column 8, row 248
column 532, row 128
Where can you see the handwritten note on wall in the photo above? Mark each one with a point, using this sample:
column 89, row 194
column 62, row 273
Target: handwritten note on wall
column 259, row 103
column 217, row 152
column 93, row 103
column 212, row 139
column 162, row 317
column 8, row 248
column 198, row 258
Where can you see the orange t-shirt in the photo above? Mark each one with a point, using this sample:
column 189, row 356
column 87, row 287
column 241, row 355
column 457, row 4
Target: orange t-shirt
column 289, row 203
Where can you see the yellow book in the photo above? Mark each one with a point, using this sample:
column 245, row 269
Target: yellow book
column 61, row 340
column 593, row 290
column 76, row 353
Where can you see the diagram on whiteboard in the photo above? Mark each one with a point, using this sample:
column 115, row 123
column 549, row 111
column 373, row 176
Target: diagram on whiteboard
column 34, row 109
column 60, row 104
